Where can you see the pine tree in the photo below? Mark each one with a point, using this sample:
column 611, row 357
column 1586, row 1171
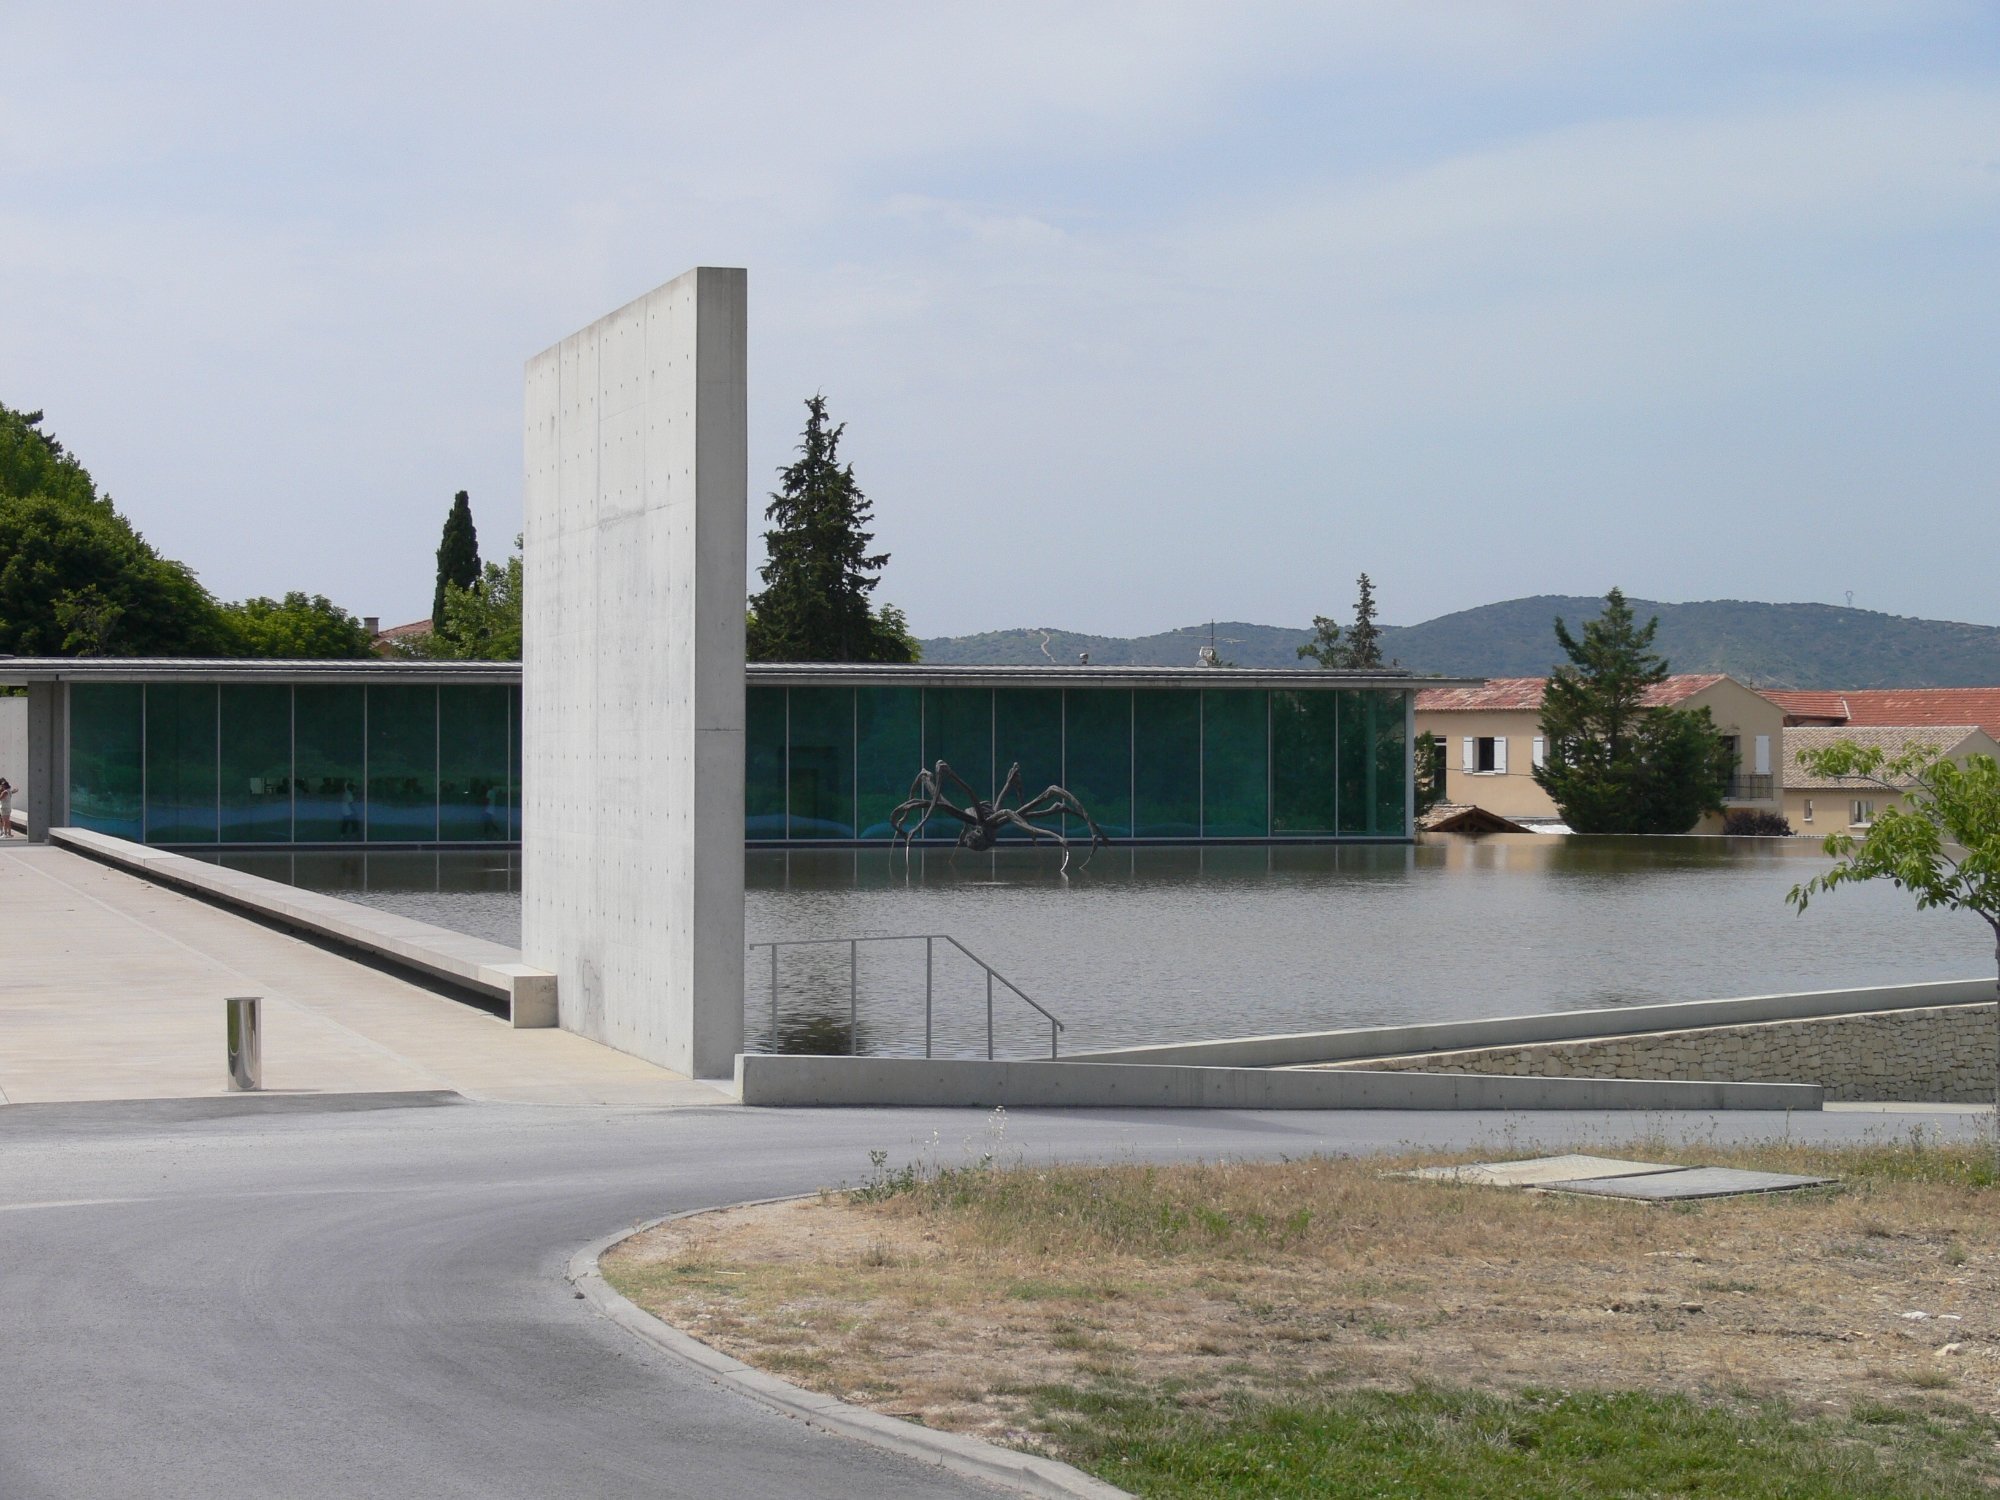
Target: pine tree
column 1364, row 636
column 1615, row 763
column 457, row 556
column 819, row 571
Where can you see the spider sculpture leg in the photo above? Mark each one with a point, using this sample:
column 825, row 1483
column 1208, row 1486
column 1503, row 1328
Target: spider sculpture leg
column 1013, row 817
column 1056, row 800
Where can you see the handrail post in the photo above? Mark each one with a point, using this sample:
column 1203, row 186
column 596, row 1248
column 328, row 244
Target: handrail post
column 853, row 1004
column 774, row 997
column 927, row 995
column 989, row 1015
column 1052, row 1038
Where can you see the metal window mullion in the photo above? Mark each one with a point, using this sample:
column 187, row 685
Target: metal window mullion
column 145, row 772
column 367, row 802
column 437, row 761
column 292, row 767
column 1201, row 763
column 218, row 763
column 1409, row 765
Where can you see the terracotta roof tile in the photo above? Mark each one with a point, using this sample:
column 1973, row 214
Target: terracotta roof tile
column 1892, row 739
column 1517, row 693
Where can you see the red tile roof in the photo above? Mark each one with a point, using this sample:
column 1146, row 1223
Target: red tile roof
column 1500, row 693
column 1872, row 706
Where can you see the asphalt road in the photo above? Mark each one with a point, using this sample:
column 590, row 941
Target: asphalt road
column 282, row 1298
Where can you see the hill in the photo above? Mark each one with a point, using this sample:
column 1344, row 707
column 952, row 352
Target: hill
column 1772, row 645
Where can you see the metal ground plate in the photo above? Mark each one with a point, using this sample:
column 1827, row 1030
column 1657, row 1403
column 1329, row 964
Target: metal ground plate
column 1688, row 1182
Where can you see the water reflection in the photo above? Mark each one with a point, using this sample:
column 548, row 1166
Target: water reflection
column 1154, row 944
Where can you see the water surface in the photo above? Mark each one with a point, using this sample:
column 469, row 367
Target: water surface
column 1167, row 944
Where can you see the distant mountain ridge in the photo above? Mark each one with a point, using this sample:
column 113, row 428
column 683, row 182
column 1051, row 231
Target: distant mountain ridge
column 1768, row 645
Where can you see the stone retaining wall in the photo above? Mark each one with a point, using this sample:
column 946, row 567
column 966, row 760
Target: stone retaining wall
column 1943, row 1055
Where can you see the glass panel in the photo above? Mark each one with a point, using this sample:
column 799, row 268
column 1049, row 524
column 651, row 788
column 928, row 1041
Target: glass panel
column 106, row 771
column 1235, row 760
column 1303, row 762
column 764, row 763
column 890, row 736
column 821, row 764
column 472, row 762
column 326, row 763
column 1097, row 756
column 180, row 763
column 256, row 764
column 1392, row 758
column 958, row 727
column 1166, row 764
column 1357, row 763
column 402, row 764
column 1027, row 727
column 514, row 764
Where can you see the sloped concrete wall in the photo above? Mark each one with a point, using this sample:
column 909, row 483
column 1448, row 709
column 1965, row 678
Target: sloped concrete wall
column 1943, row 1055
column 636, row 458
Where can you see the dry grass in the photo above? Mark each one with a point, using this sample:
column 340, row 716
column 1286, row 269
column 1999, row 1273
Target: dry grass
column 952, row 1297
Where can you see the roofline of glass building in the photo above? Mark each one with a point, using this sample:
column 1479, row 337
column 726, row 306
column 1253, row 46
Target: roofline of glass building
column 310, row 754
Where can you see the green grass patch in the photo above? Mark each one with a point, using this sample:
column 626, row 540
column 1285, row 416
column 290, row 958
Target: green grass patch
column 1459, row 1445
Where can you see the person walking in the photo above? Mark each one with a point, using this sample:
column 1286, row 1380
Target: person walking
column 6, row 808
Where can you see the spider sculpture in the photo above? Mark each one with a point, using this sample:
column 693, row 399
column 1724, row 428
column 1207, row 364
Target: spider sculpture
column 985, row 820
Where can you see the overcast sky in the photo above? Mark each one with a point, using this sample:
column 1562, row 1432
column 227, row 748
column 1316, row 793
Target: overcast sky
column 1138, row 315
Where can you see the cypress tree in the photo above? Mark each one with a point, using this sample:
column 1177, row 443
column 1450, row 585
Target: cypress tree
column 457, row 556
column 819, row 571
column 1364, row 636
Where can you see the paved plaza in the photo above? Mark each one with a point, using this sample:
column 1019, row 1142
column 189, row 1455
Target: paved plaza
column 113, row 989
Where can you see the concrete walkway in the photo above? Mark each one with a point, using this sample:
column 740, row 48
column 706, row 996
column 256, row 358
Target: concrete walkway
column 112, row 988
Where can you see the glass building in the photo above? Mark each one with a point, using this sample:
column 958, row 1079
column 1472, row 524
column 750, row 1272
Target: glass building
column 424, row 754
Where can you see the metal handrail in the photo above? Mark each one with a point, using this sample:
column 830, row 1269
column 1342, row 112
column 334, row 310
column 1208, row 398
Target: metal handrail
column 929, row 940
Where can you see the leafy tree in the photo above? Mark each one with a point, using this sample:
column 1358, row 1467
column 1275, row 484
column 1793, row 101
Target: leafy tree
column 1942, row 845
column 480, row 623
column 1360, row 648
column 820, row 573
column 1430, row 772
column 457, row 558
column 298, row 627
column 1616, row 764
column 1325, row 647
column 75, row 578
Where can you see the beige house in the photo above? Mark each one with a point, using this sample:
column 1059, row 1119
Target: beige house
column 1826, row 804
column 1491, row 741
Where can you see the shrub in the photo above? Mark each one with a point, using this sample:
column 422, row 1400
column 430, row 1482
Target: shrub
column 1765, row 825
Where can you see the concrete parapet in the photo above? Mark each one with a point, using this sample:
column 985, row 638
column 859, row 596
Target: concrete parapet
column 1940, row 1054
column 473, row 963
column 769, row 1079
column 1295, row 1048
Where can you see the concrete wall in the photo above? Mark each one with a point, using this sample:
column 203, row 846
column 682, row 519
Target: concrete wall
column 1289, row 1049
column 919, row 1082
column 14, row 746
column 1943, row 1055
column 636, row 457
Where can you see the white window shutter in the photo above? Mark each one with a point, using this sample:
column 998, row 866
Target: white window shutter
column 1540, row 752
column 1471, row 754
column 1500, row 753
column 1763, row 755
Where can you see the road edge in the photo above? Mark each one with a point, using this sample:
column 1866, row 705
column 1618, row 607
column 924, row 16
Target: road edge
column 969, row 1457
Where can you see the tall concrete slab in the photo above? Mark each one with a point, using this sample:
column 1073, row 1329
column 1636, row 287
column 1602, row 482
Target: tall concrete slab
column 637, row 473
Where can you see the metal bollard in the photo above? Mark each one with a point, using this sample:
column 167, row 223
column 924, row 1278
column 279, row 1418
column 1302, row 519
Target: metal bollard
column 246, row 1042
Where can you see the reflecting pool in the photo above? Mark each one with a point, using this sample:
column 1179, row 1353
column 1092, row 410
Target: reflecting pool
column 1164, row 944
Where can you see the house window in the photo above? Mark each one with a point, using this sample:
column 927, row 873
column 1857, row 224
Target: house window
column 1807, row 815
column 1486, row 755
column 1863, row 811
column 1539, row 752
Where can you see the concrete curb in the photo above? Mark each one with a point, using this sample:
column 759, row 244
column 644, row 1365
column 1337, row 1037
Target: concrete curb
column 970, row 1458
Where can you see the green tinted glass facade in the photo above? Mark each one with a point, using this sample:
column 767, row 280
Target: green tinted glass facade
column 1170, row 764
column 305, row 763
column 107, row 769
